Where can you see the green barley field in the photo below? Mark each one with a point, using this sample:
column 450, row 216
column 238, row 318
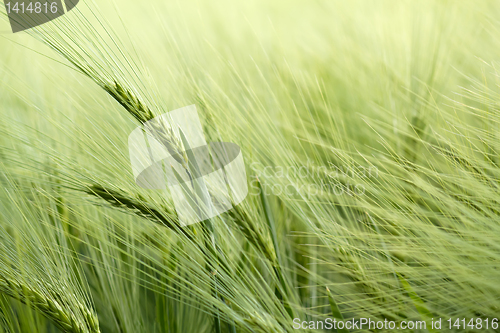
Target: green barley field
column 369, row 132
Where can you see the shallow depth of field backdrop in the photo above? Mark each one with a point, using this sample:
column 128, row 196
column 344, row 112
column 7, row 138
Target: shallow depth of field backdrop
column 370, row 136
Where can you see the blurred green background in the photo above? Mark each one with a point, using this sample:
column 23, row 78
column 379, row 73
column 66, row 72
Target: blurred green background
column 407, row 88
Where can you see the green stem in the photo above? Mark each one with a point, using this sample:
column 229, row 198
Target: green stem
column 335, row 310
column 277, row 266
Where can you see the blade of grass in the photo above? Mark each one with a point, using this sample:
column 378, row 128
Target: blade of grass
column 335, row 310
column 419, row 304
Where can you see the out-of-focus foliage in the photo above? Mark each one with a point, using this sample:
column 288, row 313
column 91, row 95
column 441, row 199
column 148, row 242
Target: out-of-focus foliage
column 370, row 125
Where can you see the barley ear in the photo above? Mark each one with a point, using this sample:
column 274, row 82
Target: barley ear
column 69, row 316
column 136, row 206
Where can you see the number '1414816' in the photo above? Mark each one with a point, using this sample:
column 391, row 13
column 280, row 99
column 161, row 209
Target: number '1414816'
column 32, row 7
column 473, row 323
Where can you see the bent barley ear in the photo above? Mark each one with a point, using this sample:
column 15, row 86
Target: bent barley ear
column 70, row 316
column 160, row 130
column 132, row 205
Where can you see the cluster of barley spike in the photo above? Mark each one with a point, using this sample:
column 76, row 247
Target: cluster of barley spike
column 54, row 307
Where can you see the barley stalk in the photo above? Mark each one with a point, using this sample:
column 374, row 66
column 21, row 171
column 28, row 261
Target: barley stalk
column 135, row 206
column 127, row 99
column 142, row 113
column 178, row 149
column 71, row 317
